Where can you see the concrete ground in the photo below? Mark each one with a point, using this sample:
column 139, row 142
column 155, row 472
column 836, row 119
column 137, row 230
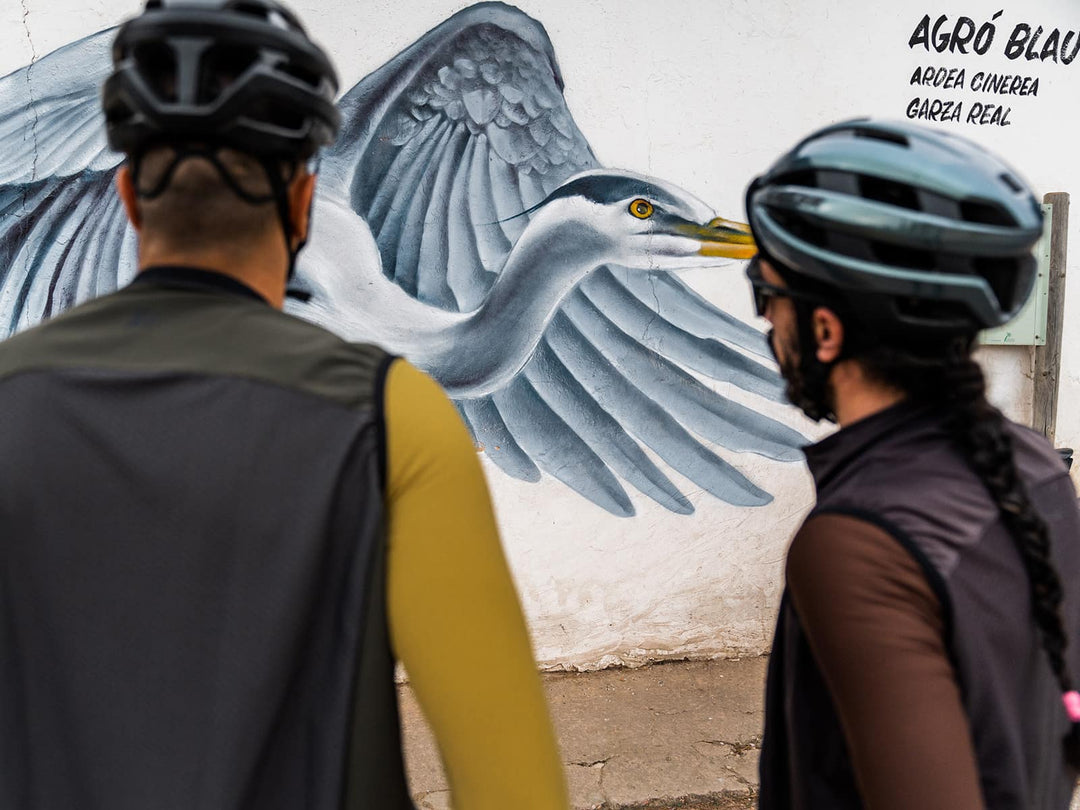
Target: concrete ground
column 679, row 735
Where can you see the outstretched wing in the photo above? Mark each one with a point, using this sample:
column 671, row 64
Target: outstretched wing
column 612, row 374
column 443, row 150
column 447, row 144
column 64, row 237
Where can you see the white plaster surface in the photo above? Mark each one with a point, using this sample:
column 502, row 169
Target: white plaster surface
column 703, row 93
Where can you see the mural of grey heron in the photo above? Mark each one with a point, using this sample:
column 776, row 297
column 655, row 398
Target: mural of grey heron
column 463, row 222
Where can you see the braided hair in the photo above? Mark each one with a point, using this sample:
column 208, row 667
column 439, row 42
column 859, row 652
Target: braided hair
column 950, row 378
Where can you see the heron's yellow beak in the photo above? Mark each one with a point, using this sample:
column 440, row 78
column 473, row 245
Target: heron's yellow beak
column 724, row 238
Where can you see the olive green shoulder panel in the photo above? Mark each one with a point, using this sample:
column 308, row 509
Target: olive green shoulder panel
column 152, row 330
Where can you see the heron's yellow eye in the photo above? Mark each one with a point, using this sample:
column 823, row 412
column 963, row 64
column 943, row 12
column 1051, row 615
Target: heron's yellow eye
column 642, row 209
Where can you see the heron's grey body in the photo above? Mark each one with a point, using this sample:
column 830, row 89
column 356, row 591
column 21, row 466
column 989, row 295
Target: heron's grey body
column 463, row 222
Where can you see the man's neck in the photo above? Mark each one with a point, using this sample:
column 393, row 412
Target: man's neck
column 263, row 270
column 855, row 397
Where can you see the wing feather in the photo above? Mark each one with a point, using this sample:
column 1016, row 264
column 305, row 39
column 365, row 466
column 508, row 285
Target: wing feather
column 491, row 243
column 508, row 201
column 62, row 294
column 556, row 449
column 666, row 294
column 389, row 234
column 492, row 435
column 468, row 286
column 423, row 240
column 717, row 418
column 434, row 231
column 52, row 234
column 705, row 355
column 647, row 419
column 566, row 396
column 29, row 288
column 533, row 189
column 390, row 186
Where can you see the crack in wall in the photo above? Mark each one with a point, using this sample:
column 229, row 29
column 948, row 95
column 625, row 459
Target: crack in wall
column 33, row 126
column 30, row 85
column 656, row 316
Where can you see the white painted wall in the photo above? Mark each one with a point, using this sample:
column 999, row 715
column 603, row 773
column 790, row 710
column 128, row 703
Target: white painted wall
column 703, row 93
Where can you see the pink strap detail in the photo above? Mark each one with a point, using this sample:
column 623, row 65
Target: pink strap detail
column 1072, row 705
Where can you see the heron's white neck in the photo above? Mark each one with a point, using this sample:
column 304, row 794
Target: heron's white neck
column 485, row 350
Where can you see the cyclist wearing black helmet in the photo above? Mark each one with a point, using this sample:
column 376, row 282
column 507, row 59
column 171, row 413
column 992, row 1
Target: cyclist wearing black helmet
column 927, row 641
column 220, row 525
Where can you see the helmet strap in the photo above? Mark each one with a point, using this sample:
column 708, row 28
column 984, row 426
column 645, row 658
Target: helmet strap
column 280, row 187
column 207, row 153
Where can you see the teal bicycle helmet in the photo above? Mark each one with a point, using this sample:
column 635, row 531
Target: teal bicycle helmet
column 917, row 232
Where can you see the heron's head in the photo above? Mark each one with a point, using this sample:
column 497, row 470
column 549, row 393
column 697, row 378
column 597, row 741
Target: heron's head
column 649, row 224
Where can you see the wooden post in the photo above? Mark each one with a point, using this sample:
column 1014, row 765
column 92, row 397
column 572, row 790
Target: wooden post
column 1046, row 369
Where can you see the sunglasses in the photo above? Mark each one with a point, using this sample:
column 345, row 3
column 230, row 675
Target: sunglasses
column 764, row 292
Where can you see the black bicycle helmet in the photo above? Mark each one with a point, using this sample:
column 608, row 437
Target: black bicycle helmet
column 237, row 73
column 918, row 232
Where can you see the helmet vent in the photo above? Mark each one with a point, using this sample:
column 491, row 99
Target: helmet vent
column 1000, row 273
column 985, row 213
column 900, row 256
column 806, row 178
column 880, row 135
column 252, row 9
column 308, row 77
column 1010, row 181
column 889, row 192
column 267, row 111
column 157, row 64
column 801, row 229
column 221, row 66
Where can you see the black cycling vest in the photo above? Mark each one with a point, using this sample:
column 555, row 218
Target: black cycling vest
column 192, row 559
column 899, row 470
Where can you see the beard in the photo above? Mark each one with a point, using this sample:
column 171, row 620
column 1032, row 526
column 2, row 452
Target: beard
column 806, row 378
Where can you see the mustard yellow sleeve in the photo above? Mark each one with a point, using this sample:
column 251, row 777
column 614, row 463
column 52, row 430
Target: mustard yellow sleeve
column 455, row 621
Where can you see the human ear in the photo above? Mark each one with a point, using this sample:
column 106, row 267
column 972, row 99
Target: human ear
column 125, row 187
column 301, row 194
column 828, row 334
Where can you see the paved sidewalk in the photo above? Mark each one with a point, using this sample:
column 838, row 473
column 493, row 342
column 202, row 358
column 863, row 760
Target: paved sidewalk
column 679, row 735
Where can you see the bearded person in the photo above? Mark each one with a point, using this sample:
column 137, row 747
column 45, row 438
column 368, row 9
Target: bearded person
column 926, row 644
